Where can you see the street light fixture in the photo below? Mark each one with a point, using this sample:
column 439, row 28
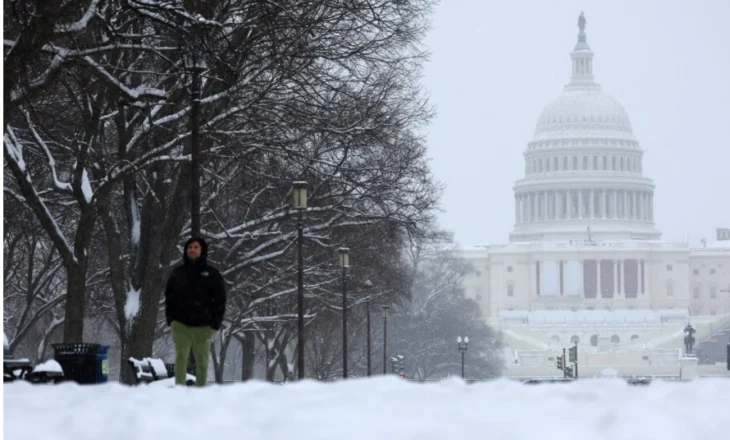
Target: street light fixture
column 463, row 344
column 343, row 257
column 385, row 339
column 299, row 194
column 368, row 288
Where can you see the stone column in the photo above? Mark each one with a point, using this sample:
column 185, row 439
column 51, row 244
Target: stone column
column 568, row 204
column 591, row 204
column 580, row 203
column 614, row 203
column 651, row 207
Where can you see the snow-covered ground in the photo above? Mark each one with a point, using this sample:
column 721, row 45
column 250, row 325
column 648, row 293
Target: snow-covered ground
column 379, row 408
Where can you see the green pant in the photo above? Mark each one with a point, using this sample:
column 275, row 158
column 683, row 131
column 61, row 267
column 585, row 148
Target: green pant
column 198, row 339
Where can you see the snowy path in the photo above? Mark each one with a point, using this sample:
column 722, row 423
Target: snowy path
column 372, row 409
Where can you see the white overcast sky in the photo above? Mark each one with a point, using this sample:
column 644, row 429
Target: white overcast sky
column 495, row 64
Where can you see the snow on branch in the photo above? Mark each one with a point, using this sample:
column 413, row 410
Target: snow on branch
column 81, row 24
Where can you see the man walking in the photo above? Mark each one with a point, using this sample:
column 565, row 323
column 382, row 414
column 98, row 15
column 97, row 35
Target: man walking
column 195, row 301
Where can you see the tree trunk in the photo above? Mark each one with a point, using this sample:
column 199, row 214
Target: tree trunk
column 73, row 325
column 248, row 356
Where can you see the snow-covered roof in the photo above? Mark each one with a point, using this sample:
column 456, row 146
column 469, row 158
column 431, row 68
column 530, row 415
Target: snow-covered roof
column 595, row 316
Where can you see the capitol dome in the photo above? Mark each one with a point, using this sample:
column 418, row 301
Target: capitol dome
column 583, row 167
column 583, row 110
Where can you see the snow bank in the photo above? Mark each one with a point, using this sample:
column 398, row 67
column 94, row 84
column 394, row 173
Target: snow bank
column 369, row 409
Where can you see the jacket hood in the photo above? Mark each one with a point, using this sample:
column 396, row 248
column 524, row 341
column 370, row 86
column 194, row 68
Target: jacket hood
column 203, row 251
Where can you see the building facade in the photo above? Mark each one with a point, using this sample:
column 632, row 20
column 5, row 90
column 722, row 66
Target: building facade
column 585, row 262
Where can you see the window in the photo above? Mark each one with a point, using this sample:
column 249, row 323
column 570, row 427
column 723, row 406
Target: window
column 565, row 163
column 574, row 339
column 555, row 164
column 510, row 290
column 605, row 163
column 575, row 162
column 595, row 162
column 539, row 169
column 585, row 162
column 696, row 291
column 669, row 267
column 478, row 294
column 622, row 164
column 615, row 339
column 613, row 163
column 634, row 337
column 547, row 164
column 696, row 272
column 670, row 288
column 594, row 341
column 713, row 292
column 713, row 312
column 509, row 268
column 712, row 271
column 478, row 273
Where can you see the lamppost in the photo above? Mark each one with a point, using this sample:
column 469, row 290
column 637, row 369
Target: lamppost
column 385, row 339
column 299, row 193
column 343, row 257
column 368, row 287
column 195, row 65
column 462, row 348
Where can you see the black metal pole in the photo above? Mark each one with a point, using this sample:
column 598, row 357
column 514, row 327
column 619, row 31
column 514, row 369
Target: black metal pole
column 462, row 362
column 385, row 343
column 367, row 306
column 575, row 373
column 195, row 154
column 300, row 296
column 344, row 323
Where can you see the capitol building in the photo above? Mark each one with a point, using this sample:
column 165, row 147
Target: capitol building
column 585, row 262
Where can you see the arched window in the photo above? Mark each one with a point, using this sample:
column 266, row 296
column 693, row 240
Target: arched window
column 595, row 162
column 615, row 339
column 555, row 338
column 634, row 337
column 565, row 163
column 555, row 164
column 605, row 163
column 594, row 341
column 547, row 164
column 622, row 163
column 510, row 289
column 613, row 163
column 585, row 162
column 670, row 288
column 575, row 162
column 574, row 339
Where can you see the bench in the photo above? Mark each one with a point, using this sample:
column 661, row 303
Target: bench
column 149, row 370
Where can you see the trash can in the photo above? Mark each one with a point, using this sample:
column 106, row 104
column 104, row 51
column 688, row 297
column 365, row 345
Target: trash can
column 82, row 363
column 170, row 370
column 103, row 358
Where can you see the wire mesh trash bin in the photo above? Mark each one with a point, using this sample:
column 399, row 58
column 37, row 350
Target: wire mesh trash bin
column 83, row 363
column 103, row 357
column 170, row 370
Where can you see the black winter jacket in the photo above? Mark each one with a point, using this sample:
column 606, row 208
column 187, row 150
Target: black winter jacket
column 195, row 294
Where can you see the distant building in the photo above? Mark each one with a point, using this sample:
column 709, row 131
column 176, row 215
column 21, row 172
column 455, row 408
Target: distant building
column 585, row 261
